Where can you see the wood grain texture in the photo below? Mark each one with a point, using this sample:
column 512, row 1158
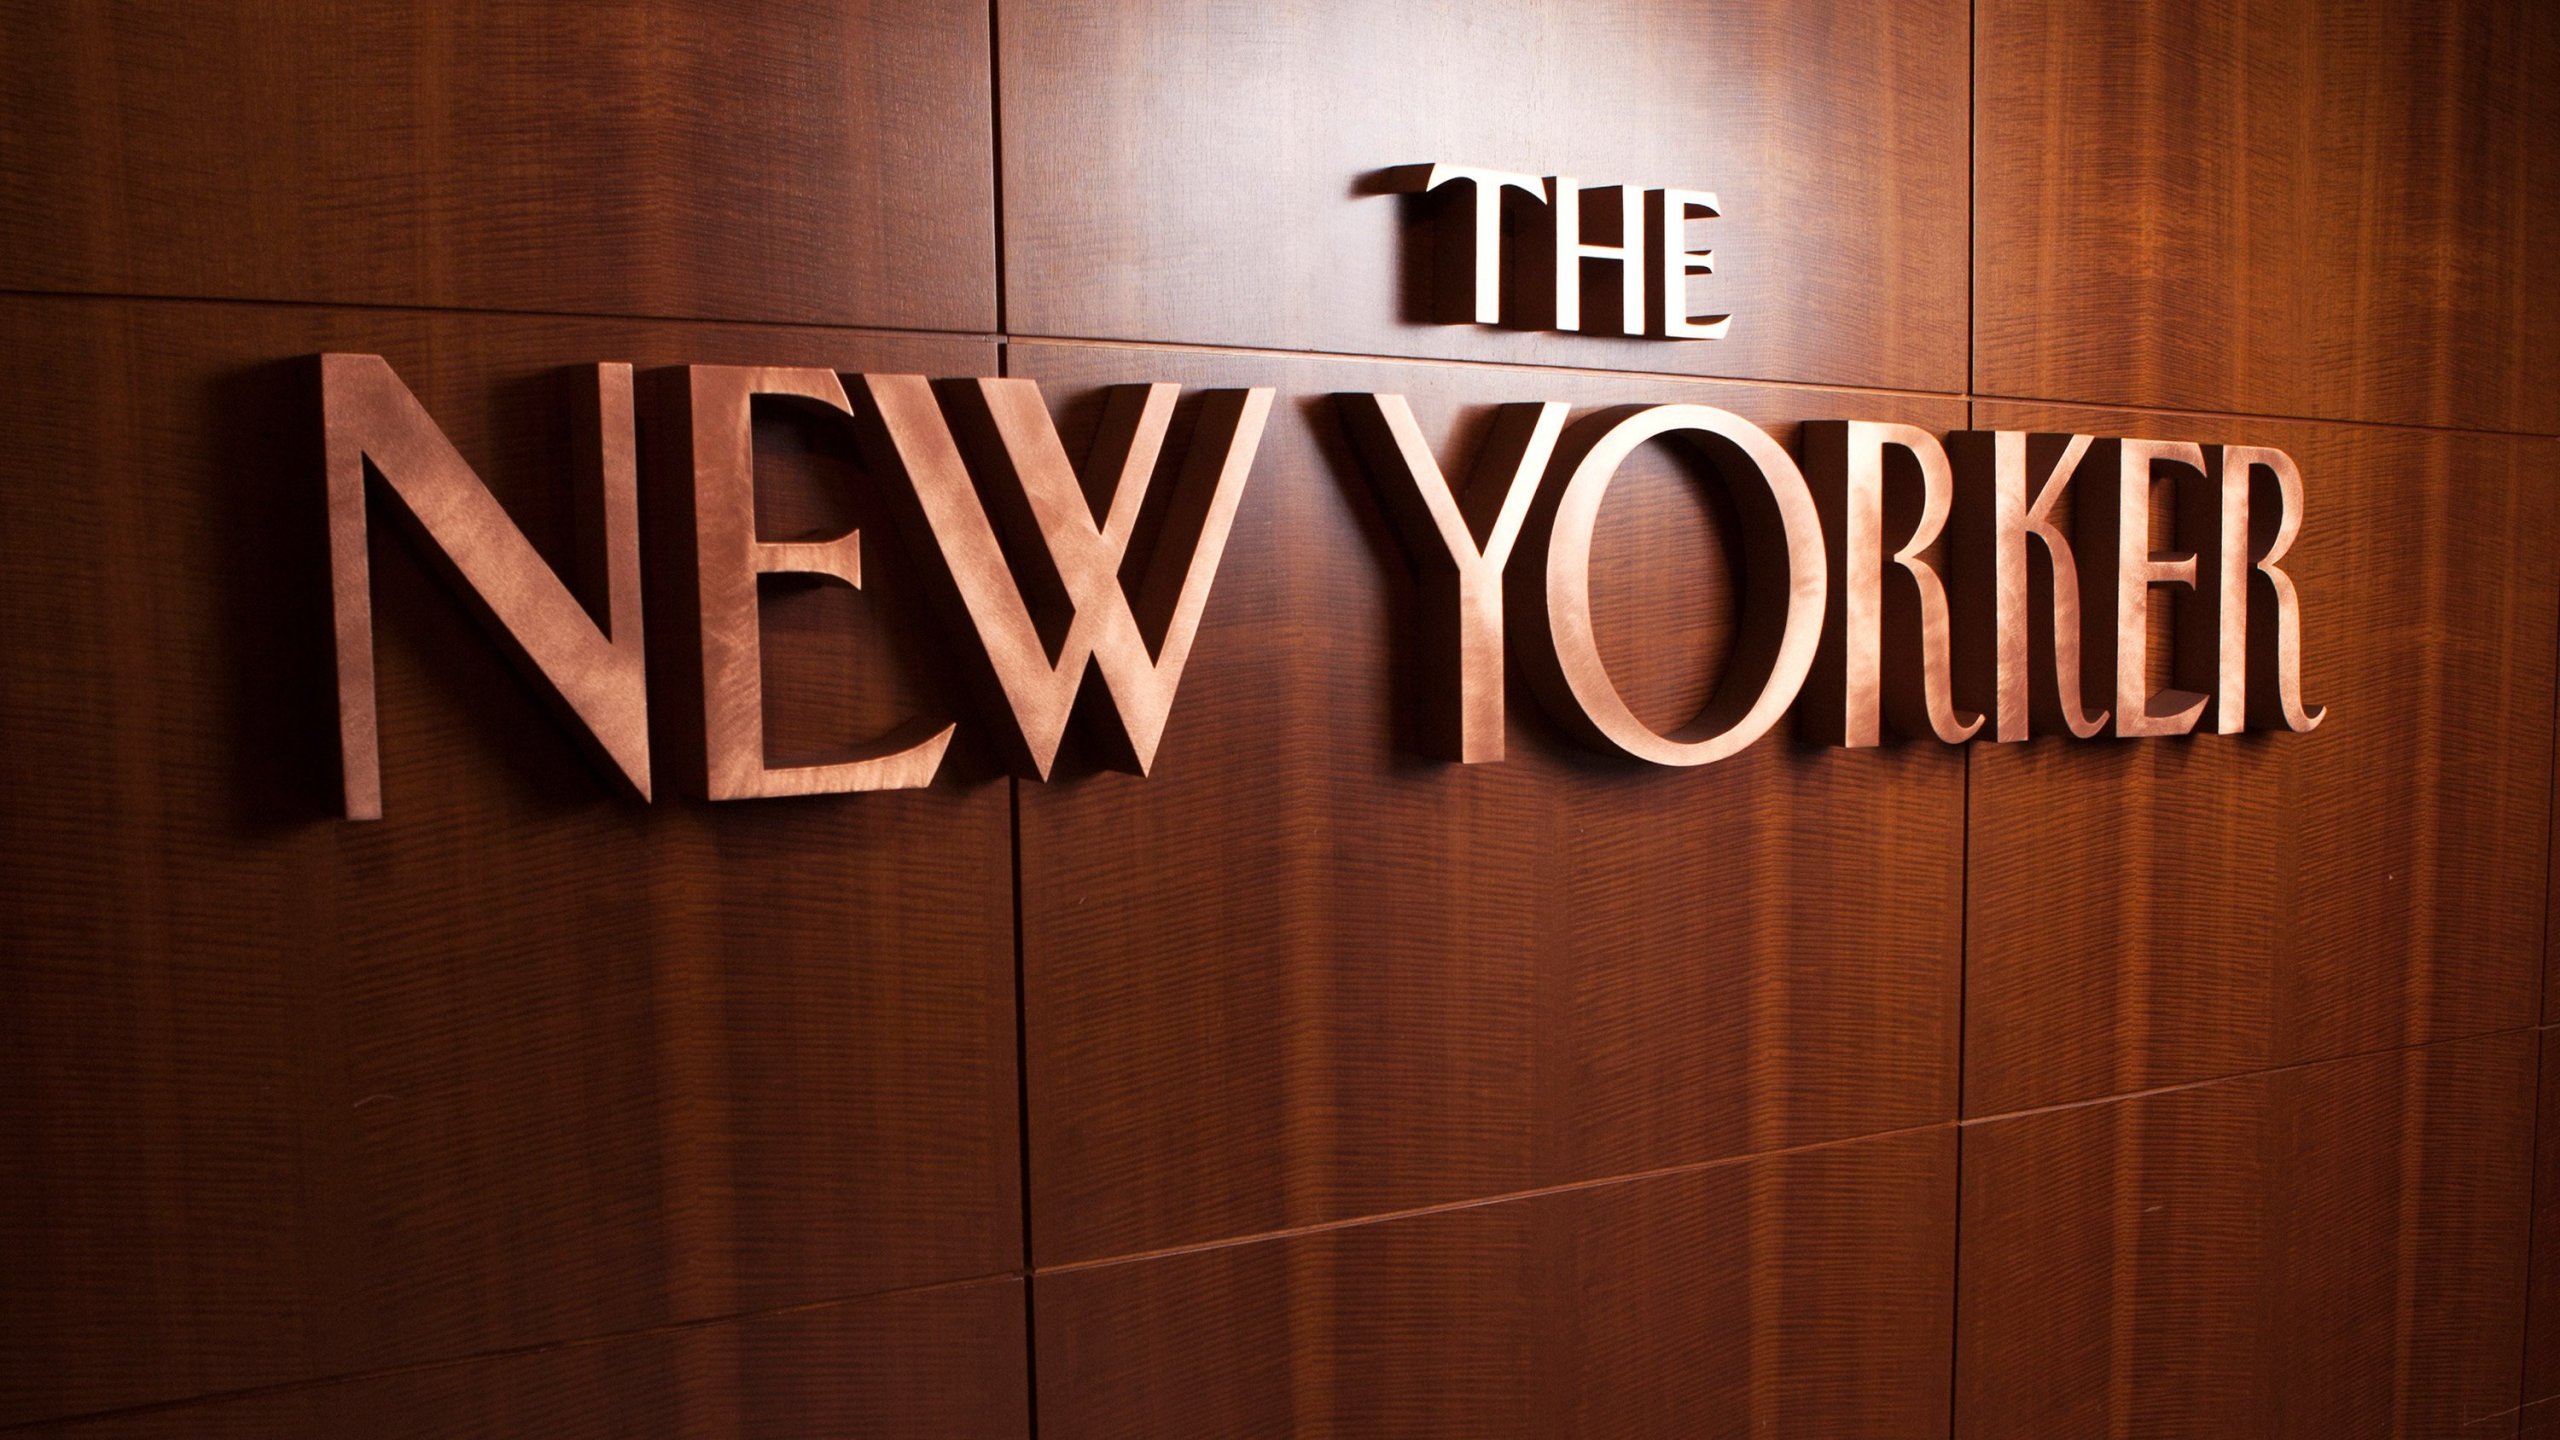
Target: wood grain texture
column 1798, row 1294
column 522, row 1061
column 944, row 1362
column 1195, row 173
column 2146, row 913
column 2541, row 1410
column 1303, row 973
column 2271, row 206
column 805, row 162
column 2331, row 1251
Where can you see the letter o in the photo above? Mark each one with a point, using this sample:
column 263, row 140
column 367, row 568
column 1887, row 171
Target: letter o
column 1772, row 655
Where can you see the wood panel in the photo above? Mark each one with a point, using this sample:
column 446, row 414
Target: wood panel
column 2148, row 913
column 1798, row 1294
column 2541, row 1412
column 2330, row 1251
column 1202, row 173
column 806, row 162
column 524, row 1060
column 944, row 1362
column 2271, row 206
column 1304, row 972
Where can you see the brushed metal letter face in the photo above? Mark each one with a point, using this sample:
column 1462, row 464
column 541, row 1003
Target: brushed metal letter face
column 727, row 558
column 1102, row 625
column 1782, row 604
column 1862, row 672
column 1996, row 590
column 1572, row 206
column 1674, row 262
column 2115, row 519
column 1829, row 597
column 2213, row 521
column 1460, row 547
column 371, row 422
column 2275, row 606
column 1634, row 240
column 1486, row 243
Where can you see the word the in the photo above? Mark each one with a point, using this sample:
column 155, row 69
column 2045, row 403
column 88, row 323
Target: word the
column 1652, row 298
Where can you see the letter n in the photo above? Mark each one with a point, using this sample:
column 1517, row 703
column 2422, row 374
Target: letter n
column 373, row 426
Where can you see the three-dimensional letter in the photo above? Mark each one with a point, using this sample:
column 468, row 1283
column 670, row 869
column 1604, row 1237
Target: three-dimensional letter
column 1485, row 269
column 1670, row 212
column 1565, row 205
column 1857, row 676
column 1995, row 590
column 1782, row 604
column 2271, row 695
column 726, row 692
column 2115, row 520
column 370, row 422
column 1140, row 650
column 1460, row 546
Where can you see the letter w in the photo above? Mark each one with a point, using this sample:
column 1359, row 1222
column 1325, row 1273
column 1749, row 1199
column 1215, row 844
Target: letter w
column 1051, row 516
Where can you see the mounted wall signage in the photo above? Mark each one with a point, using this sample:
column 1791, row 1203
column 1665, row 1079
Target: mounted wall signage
column 1853, row 628
column 1650, row 298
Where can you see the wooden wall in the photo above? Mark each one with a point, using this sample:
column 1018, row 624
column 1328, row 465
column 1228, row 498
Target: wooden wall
column 1309, row 1087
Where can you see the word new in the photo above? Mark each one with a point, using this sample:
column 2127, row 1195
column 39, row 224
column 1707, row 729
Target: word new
column 1819, row 616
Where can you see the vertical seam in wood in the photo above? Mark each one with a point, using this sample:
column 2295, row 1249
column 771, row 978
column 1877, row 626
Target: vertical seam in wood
column 1964, row 827
column 2550, row 825
column 2532, row 1197
column 1022, row 1120
column 995, row 150
column 2542, row 1016
column 1972, row 196
column 1964, row 966
column 1013, row 784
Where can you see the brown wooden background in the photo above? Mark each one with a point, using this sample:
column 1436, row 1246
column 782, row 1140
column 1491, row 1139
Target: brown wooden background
column 2172, row 1089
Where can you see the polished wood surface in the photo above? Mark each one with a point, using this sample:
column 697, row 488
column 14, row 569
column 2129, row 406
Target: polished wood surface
column 1797, row 1294
column 524, row 1061
column 2271, row 207
column 1360, row 1093
column 1207, row 173
column 944, row 1362
column 806, row 162
column 1301, row 973
column 2329, row 1251
column 2541, row 1412
column 2145, row 914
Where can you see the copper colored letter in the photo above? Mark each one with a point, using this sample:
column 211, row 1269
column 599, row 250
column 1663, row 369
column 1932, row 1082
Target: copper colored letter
column 2115, row 520
column 370, row 420
column 1140, row 651
column 2275, row 607
column 1462, row 575
column 727, row 557
column 1565, row 203
column 1487, row 249
column 1854, row 676
column 1676, row 262
column 2213, row 521
column 1781, row 609
column 1995, row 591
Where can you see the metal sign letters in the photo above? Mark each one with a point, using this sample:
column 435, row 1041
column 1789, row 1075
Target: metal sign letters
column 1974, row 617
